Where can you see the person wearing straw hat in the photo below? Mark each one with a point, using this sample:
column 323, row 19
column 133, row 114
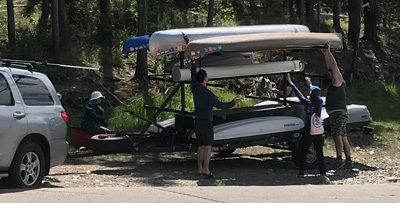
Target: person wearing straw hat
column 93, row 115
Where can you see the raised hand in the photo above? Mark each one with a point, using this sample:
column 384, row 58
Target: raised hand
column 327, row 47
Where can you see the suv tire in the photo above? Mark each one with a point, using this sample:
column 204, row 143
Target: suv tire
column 27, row 168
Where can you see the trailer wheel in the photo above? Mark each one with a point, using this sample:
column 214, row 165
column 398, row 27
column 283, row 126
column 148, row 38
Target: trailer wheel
column 104, row 143
column 311, row 156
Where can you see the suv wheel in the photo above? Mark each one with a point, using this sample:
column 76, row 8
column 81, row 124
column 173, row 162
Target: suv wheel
column 28, row 167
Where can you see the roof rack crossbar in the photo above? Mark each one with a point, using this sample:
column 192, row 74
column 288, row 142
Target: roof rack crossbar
column 31, row 64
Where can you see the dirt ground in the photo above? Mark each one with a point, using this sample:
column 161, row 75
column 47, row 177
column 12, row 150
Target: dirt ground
column 254, row 166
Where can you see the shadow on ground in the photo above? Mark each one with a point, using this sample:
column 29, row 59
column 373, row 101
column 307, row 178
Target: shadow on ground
column 236, row 170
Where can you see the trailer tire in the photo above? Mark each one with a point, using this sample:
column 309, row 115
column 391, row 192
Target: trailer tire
column 311, row 156
column 225, row 153
column 110, row 144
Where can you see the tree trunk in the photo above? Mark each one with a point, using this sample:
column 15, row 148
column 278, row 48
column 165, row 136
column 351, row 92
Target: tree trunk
column 141, row 68
column 370, row 21
column 210, row 16
column 106, row 39
column 238, row 8
column 292, row 18
column 300, row 11
column 319, row 15
column 11, row 26
column 354, row 21
column 44, row 18
column 310, row 13
column 64, row 42
column 354, row 32
column 336, row 17
column 354, row 60
column 55, row 28
column 384, row 21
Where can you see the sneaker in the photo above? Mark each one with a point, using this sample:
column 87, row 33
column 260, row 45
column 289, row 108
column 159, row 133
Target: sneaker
column 338, row 164
column 324, row 180
column 348, row 164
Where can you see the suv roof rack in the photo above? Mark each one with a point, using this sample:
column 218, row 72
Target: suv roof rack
column 20, row 65
column 32, row 65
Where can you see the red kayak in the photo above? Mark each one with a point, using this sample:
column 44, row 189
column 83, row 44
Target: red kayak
column 81, row 138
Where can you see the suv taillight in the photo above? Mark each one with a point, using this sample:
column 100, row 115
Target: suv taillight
column 64, row 116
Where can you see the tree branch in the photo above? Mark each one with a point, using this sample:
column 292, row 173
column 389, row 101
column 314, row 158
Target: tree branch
column 115, row 97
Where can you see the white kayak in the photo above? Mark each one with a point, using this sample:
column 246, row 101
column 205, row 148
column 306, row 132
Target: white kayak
column 245, row 70
column 171, row 41
column 263, row 42
column 216, row 60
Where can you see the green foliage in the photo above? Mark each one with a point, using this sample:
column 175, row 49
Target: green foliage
column 219, row 183
column 382, row 99
column 118, row 119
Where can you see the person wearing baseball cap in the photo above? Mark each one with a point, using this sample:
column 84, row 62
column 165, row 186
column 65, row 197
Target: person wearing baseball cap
column 93, row 115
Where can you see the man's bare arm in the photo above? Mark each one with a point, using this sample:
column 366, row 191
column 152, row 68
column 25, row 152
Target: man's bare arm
column 337, row 78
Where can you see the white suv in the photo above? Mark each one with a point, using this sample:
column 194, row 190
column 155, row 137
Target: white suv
column 33, row 127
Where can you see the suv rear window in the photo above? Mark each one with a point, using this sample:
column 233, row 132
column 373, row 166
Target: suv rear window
column 33, row 91
column 6, row 98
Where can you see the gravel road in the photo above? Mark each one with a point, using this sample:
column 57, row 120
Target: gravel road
column 254, row 166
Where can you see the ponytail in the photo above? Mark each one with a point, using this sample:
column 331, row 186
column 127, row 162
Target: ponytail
column 316, row 103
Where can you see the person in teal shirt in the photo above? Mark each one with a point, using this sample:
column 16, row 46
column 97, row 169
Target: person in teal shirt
column 204, row 102
column 93, row 115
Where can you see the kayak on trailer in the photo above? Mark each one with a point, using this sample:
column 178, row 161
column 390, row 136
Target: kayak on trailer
column 245, row 70
column 136, row 44
column 216, row 60
column 263, row 42
column 175, row 40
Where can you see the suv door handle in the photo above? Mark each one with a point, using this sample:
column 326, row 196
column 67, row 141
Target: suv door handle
column 19, row 115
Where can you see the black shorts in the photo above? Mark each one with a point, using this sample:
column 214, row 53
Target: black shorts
column 204, row 134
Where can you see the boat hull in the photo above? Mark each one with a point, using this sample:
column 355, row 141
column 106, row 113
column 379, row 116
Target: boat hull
column 263, row 42
column 171, row 41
